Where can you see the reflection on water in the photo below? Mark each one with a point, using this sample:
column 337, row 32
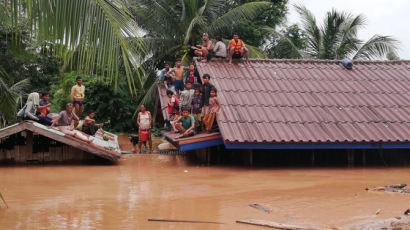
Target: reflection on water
column 124, row 196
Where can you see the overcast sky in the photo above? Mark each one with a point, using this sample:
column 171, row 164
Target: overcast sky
column 384, row 17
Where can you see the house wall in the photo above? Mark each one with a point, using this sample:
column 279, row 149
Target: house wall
column 27, row 147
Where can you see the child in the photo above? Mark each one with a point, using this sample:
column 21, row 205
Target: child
column 214, row 108
column 185, row 124
column 172, row 106
column 43, row 109
column 196, row 108
column 89, row 125
column 186, row 96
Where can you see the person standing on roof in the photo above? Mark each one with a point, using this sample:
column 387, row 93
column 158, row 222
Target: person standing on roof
column 205, row 50
column 214, row 108
column 178, row 70
column 77, row 96
column 167, row 80
column 219, row 48
column 186, row 96
column 206, row 94
column 237, row 49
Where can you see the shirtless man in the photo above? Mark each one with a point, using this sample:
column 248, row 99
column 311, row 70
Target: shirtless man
column 178, row 71
column 205, row 50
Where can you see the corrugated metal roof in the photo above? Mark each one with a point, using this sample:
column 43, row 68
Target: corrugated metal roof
column 312, row 101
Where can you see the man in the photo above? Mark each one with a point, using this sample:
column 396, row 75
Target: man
column 163, row 77
column 237, row 49
column 205, row 50
column 43, row 109
column 206, row 94
column 65, row 123
column 185, row 125
column 77, row 96
column 90, row 127
column 186, row 96
column 178, row 71
column 219, row 48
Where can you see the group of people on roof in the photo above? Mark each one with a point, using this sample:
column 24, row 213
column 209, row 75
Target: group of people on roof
column 67, row 121
column 192, row 103
column 207, row 51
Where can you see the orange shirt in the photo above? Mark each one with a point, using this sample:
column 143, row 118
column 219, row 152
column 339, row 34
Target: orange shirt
column 237, row 45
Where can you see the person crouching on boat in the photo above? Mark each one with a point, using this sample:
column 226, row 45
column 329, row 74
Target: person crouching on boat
column 144, row 122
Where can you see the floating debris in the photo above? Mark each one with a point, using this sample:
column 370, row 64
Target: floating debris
column 261, row 207
column 399, row 188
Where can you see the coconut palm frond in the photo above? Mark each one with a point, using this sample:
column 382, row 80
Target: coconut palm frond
column 311, row 30
column 93, row 36
column 377, row 47
column 20, row 88
column 348, row 41
column 245, row 11
column 7, row 96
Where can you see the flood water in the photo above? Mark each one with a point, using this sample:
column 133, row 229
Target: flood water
column 125, row 195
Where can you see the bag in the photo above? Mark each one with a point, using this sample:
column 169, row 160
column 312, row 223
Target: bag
column 144, row 134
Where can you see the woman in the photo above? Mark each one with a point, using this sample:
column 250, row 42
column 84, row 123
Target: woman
column 30, row 108
column 144, row 122
column 214, row 108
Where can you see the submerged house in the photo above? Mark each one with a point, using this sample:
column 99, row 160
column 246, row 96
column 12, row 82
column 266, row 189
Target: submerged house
column 310, row 104
column 29, row 141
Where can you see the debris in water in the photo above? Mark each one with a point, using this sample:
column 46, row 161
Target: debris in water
column 260, row 207
column 271, row 224
column 184, row 221
column 185, row 171
column 407, row 212
column 399, row 188
column 378, row 212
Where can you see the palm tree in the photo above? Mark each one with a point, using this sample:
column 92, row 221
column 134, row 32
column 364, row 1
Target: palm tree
column 172, row 26
column 337, row 37
column 92, row 36
column 10, row 93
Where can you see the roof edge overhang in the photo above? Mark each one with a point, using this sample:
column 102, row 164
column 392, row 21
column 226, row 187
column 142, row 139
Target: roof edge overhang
column 340, row 145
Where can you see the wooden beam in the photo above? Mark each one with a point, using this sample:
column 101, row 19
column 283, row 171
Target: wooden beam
column 272, row 224
column 12, row 129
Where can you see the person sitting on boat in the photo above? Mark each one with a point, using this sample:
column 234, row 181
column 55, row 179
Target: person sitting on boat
column 89, row 125
column 144, row 122
column 65, row 123
column 185, row 124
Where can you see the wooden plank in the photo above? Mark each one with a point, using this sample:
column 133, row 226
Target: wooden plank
column 12, row 129
column 184, row 221
column 272, row 224
column 199, row 139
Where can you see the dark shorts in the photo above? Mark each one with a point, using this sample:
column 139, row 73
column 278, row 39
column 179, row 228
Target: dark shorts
column 179, row 85
column 237, row 56
column 210, row 55
column 78, row 102
column 216, row 56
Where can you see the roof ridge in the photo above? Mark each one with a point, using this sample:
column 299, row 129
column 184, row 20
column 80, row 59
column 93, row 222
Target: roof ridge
column 329, row 61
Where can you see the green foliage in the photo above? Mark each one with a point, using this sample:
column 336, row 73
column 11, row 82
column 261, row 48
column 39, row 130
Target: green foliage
column 255, row 31
column 97, row 37
column 287, row 43
column 337, row 37
column 109, row 105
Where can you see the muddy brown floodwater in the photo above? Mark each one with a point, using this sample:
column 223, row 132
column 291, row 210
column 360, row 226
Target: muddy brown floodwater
column 124, row 196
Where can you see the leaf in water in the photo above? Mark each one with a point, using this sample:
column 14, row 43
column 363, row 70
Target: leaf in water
column 4, row 201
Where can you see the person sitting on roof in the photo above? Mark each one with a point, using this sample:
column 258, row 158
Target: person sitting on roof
column 219, row 48
column 65, row 123
column 186, row 96
column 43, row 109
column 178, row 70
column 237, row 49
column 30, row 108
column 205, row 51
column 89, row 125
column 214, row 108
column 185, row 124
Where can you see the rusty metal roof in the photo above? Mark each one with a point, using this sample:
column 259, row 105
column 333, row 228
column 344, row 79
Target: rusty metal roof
column 312, row 101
